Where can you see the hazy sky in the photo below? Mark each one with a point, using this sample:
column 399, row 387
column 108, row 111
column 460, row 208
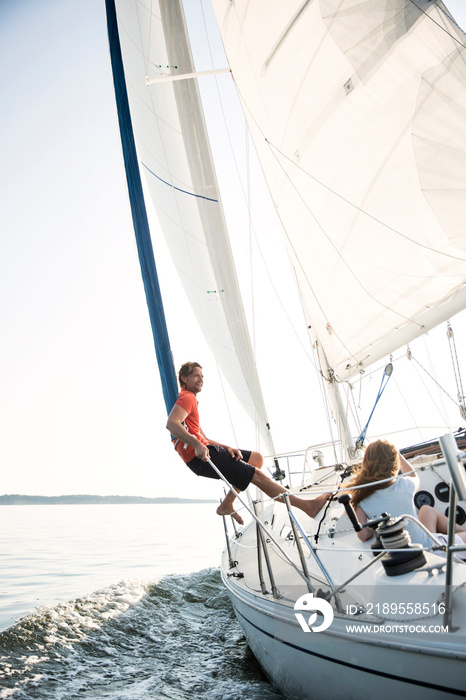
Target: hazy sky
column 81, row 408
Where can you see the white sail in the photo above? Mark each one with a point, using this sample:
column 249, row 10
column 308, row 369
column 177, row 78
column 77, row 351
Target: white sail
column 358, row 111
column 175, row 156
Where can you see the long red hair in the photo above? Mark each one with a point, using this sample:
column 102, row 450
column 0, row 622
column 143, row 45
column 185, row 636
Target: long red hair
column 380, row 461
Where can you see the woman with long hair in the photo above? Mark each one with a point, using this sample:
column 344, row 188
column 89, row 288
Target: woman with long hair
column 381, row 463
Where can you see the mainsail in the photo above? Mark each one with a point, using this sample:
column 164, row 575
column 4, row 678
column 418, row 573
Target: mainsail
column 358, row 112
column 174, row 154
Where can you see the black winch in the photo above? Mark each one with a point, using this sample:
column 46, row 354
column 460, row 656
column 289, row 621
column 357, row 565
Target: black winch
column 390, row 534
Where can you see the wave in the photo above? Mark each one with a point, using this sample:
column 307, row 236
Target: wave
column 177, row 639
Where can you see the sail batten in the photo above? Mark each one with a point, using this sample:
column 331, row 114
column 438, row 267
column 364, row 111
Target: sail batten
column 185, row 76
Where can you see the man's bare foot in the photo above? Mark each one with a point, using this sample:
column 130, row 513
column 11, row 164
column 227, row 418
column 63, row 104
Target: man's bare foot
column 222, row 510
column 311, row 508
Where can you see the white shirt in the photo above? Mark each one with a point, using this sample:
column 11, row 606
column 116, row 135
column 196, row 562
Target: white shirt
column 397, row 499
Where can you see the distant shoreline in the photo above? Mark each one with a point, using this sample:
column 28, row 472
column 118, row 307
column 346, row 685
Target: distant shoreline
column 18, row 500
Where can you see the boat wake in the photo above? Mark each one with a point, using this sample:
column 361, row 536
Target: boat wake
column 174, row 639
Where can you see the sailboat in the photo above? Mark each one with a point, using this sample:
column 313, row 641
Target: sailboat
column 357, row 114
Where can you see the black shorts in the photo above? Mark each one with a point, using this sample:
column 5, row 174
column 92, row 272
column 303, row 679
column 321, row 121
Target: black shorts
column 237, row 472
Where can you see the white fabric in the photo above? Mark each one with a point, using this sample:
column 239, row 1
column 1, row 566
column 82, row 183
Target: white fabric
column 396, row 500
column 358, row 114
column 443, row 539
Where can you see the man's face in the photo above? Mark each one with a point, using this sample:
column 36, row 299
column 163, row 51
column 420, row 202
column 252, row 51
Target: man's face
column 194, row 381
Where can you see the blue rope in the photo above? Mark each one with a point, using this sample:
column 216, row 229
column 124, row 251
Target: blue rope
column 386, row 376
column 192, row 194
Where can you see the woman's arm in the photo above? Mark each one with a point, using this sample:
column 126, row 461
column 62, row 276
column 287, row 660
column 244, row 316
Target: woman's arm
column 405, row 466
column 366, row 532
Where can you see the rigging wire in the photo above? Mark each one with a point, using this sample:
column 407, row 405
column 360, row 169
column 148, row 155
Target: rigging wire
column 408, row 409
column 326, row 401
column 247, row 198
column 447, row 14
column 252, row 230
column 352, row 404
column 240, row 180
column 353, row 407
column 431, row 377
column 385, row 379
column 359, row 209
column 417, row 366
column 456, row 370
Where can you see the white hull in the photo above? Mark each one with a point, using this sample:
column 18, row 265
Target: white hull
column 400, row 653
column 327, row 665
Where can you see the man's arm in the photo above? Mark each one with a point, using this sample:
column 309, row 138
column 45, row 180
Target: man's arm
column 177, row 429
column 232, row 451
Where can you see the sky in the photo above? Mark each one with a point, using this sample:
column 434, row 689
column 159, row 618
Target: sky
column 81, row 408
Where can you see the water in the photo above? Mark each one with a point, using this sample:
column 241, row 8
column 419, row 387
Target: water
column 120, row 602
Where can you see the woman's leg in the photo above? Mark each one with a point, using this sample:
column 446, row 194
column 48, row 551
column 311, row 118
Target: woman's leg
column 435, row 521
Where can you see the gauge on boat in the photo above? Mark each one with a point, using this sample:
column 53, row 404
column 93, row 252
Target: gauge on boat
column 442, row 491
column 423, row 498
column 460, row 515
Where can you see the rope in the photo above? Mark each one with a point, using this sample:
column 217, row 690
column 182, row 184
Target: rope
column 192, row 194
column 385, row 378
column 317, row 534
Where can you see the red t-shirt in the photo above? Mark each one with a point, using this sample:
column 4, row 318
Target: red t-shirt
column 188, row 401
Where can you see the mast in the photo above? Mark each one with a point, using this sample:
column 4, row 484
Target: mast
column 139, row 214
column 333, row 392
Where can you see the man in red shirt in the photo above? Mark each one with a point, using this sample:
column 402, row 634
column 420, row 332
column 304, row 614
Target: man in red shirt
column 239, row 467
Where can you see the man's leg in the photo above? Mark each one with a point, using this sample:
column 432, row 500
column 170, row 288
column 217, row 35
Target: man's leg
column 226, row 506
column 256, row 460
column 273, row 489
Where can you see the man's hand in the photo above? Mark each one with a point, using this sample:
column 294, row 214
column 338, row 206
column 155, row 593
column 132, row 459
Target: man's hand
column 235, row 453
column 202, row 451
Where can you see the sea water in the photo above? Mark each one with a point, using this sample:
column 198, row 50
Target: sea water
column 123, row 602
